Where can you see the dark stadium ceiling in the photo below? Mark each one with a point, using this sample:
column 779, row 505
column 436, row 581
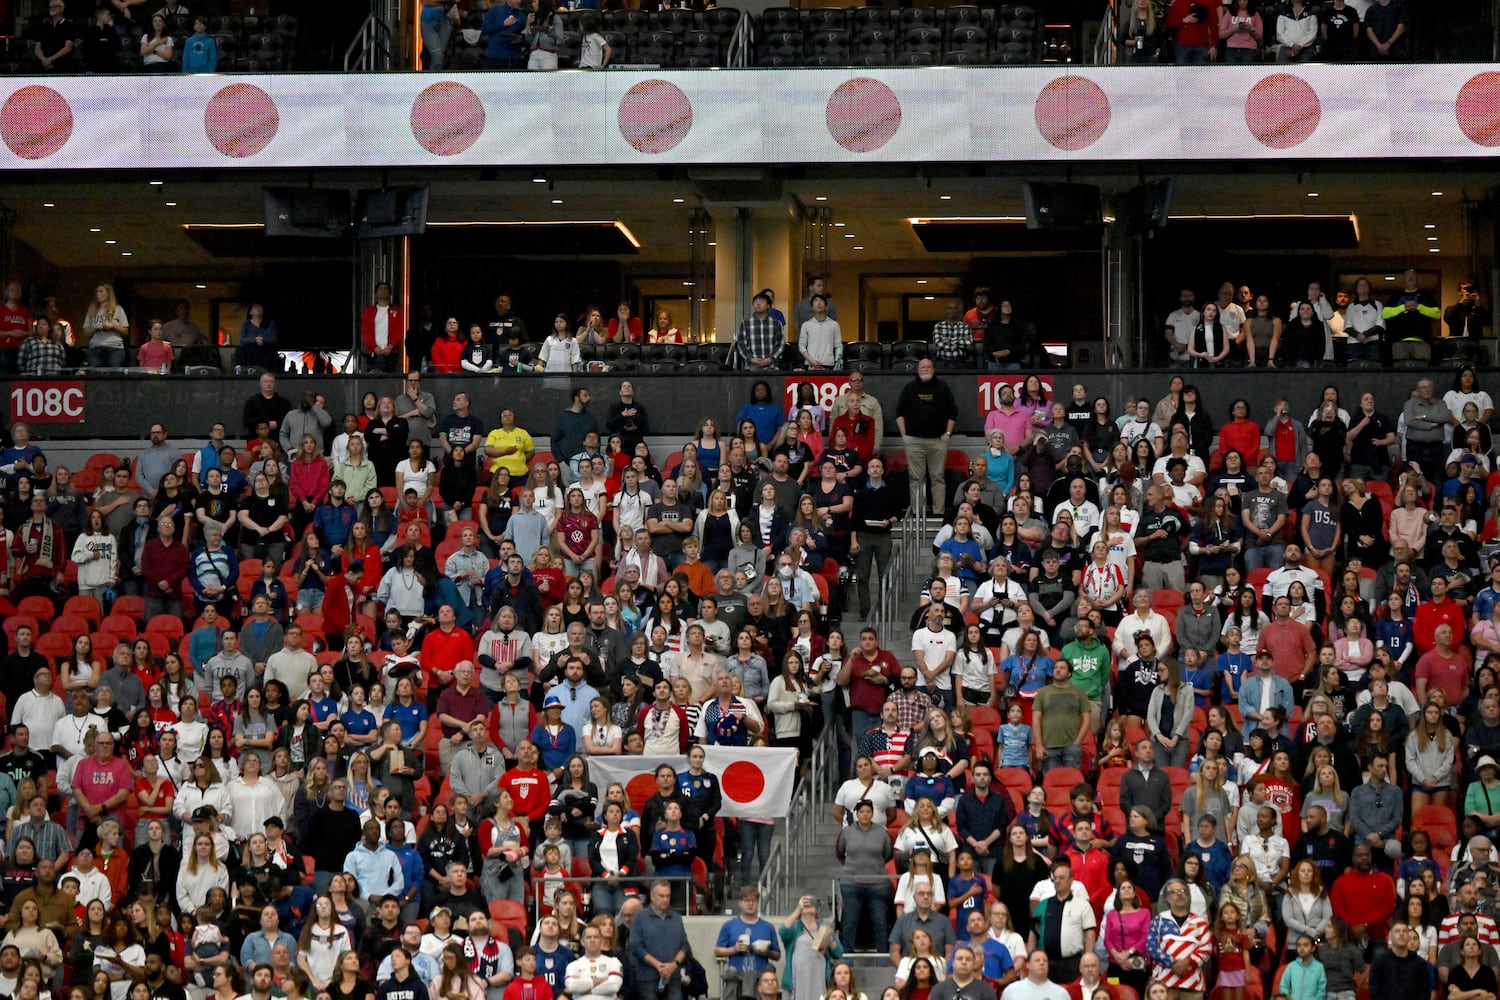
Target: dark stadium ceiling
column 138, row 226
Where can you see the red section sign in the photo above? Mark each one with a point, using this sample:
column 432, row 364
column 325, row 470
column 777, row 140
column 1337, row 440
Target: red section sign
column 989, row 388
column 47, row 402
column 826, row 389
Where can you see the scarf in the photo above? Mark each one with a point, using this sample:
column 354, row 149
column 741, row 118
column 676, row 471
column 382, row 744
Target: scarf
column 45, row 553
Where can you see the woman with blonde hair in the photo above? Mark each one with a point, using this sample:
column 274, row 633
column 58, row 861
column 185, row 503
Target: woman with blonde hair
column 106, row 327
column 201, row 871
column 1430, row 759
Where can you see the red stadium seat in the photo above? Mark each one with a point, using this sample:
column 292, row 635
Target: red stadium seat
column 131, row 605
column 167, row 625
column 39, row 607
column 1440, row 824
column 123, row 626
column 509, row 913
column 84, row 607
column 71, row 626
column 982, row 716
column 56, row 646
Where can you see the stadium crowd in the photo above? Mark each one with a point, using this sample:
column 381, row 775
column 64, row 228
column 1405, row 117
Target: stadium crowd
column 1188, row 697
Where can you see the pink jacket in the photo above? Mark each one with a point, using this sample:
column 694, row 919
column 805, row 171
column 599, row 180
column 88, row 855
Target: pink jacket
column 308, row 480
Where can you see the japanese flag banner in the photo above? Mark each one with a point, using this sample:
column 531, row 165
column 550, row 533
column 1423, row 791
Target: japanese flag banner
column 754, row 781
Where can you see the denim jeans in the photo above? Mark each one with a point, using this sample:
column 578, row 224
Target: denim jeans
column 606, row 898
column 1191, row 55
column 860, row 899
column 1068, row 756
column 755, row 839
column 1263, row 556
column 436, row 30
column 106, row 357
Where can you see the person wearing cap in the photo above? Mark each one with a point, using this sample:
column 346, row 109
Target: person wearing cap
column 426, row 967
column 375, row 866
column 553, row 737
column 1482, row 800
column 1481, row 850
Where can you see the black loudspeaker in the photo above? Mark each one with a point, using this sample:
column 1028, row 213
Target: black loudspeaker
column 307, row 212
column 1148, row 206
column 1062, row 207
column 382, row 212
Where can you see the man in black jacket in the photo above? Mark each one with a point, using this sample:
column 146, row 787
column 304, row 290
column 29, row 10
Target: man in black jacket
column 1146, row 784
column 331, row 835
column 926, row 415
column 628, row 418
column 265, row 406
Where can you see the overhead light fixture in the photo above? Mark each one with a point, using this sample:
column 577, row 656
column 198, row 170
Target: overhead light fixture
column 557, row 201
column 200, row 286
column 1432, row 239
column 156, row 183
column 850, row 236
column 678, row 201
column 95, row 229
column 48, row 204
column 1437, row 194
column 1312, row 194
column 171, row 204
column 945, row 197
column 839, row 225
column 821, row 197
column 1390, row 277
column 110, row 243
column 859, row 248
column 538, row 179
column 687, row 284
column 713, row 244
column 928, row 298
column 126, row 253
column 921, row 281
column 1430, row 225
column 1434, row 250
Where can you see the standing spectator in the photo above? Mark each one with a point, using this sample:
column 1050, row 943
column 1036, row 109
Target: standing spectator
column 749, row 943
column 1426, row 417
column 863, row 850
column 1362, row 897
column 1305, row 977
column 39, row 555
column 1179, row 944
column 1146, row 784
column 380, row 326
column 1397, row 970
column 658, row 947
column 761, row 337
column 1060, row 715
column 1063, row 923
column 1385, row 26
column 926, row 415
column 164, row 567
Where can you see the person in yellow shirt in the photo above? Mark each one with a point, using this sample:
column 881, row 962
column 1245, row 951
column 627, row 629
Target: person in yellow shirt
column 509, row 446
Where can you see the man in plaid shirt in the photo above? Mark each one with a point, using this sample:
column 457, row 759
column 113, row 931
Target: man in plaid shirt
column 951, row 338
column 41, row 354
column 761, row 338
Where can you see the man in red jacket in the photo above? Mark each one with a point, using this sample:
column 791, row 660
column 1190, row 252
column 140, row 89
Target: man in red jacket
column 1441, row 610
column 530, row 790
column 1364, row 898
column 380, row 328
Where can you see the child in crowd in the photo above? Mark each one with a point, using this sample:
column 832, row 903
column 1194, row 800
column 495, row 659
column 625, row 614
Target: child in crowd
column 1015, row 739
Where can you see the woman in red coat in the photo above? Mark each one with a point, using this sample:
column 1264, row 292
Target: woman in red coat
column 448, row 351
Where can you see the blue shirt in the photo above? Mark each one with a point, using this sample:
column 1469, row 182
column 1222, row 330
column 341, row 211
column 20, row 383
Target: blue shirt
column 1015, row 745
column 257, row 950
column 410, row 717
column 411, row 869
column 997, row 960
column 557, row 749
column 360, row 723
column 676, row 844
column 750, row 964
column 553, row 966
column 1484, row 602
column 1236, row 665
column 321, row 709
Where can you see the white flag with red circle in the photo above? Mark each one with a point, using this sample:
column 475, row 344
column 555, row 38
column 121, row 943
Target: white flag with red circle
column 754, row 781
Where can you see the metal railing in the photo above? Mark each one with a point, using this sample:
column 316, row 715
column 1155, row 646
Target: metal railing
column 1104, row 43
column 741, row 43
column 372, row 48
column 791, row 852
column 641, row 883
